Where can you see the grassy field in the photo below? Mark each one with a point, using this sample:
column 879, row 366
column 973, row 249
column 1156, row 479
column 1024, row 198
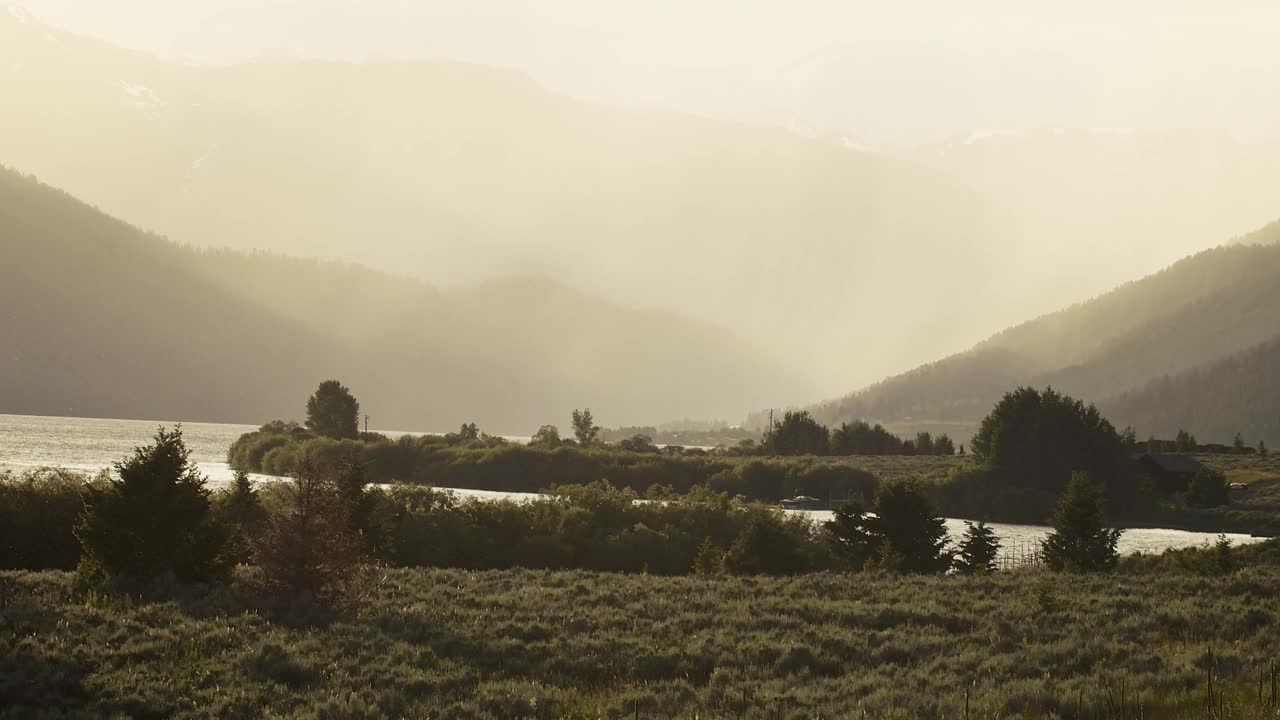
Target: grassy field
column 531, row 644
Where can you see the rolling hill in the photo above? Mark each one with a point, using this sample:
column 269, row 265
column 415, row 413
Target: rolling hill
column 1180, row 323
column 101, row 319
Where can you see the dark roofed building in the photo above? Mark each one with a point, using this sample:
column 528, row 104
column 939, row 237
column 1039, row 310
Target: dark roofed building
column 1171, row 473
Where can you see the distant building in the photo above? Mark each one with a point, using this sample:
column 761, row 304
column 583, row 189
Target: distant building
column 1171, row 473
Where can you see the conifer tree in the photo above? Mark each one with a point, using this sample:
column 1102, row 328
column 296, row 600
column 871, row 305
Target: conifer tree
column 1080, row 541
column 978, row 550
column 154, row 520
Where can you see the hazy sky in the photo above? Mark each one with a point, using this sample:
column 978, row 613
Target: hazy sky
column 879, row 72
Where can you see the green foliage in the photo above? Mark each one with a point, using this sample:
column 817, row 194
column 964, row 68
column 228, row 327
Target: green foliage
column 638, row 444
column 709, row 560
column 904, row 534
column 767, row 545
column 585, row 428
column 796, row 434
column 860, row 438
column 547, row 438
column 309, row 549
column 978, row 550
column 596, row 526
column 154, row 521
column 912, row 537
column 1038, row 439
column 38, row 512
column 853, row 539
column 943, row 445
column 526, row 468
column 468, row 433
column 1080, row 541
column 333, row 412
column 238, row 508
column 1208, row 489
column 1185, row 442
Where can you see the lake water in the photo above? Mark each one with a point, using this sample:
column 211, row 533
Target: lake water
column 94, row 444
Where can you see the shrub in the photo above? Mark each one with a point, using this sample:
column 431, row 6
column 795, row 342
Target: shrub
column 1208, row 489
column 308, row 551
column 38, row 512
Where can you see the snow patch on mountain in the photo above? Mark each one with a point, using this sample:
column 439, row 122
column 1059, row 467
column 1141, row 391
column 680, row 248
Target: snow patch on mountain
column 140, row 96
column 19, row 13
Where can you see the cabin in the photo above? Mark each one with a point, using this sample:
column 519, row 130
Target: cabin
column 802, row 502
column 1171, row 473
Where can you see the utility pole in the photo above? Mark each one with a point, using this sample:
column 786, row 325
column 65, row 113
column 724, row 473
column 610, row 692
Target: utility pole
column 366, row 424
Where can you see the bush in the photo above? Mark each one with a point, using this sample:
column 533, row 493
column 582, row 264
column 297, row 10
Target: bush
column 768, row 544
column 308, row 551
column 38, row 512
column 1208, row 489
column 484, row 465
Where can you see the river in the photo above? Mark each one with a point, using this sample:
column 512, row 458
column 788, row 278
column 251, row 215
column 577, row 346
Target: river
column 91, row 444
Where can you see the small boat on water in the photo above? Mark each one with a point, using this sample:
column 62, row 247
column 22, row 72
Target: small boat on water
column 802, row 502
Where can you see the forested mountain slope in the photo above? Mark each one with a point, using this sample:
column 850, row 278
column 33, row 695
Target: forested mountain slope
column 1200, row 310
column 101, row 319
column 1239, row 394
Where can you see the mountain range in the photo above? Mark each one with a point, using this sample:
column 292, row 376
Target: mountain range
column 101, row 319
column 458, row 174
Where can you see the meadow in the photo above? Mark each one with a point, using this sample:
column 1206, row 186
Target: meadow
column 436, row 643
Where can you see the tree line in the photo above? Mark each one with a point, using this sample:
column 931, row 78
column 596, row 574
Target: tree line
column 155, row 519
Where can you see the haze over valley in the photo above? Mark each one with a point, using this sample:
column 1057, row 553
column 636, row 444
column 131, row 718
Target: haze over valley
column 460, row 175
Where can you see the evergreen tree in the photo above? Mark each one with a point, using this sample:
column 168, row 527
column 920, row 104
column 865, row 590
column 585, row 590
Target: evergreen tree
column 1185, row 442
column 239, row 509
column 943, row 445
column 978, row 550
column 1262, row 448
column 851, row 536
column 154, row 521
column 912, row 537
column 709, row 560
column 1237, row 445
column 1129, row 437
column 924, row 444
column 333, row 412
column 1080, row 541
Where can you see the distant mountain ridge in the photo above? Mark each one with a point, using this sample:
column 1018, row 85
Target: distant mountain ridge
column 103, row 320
column 1179, row 323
